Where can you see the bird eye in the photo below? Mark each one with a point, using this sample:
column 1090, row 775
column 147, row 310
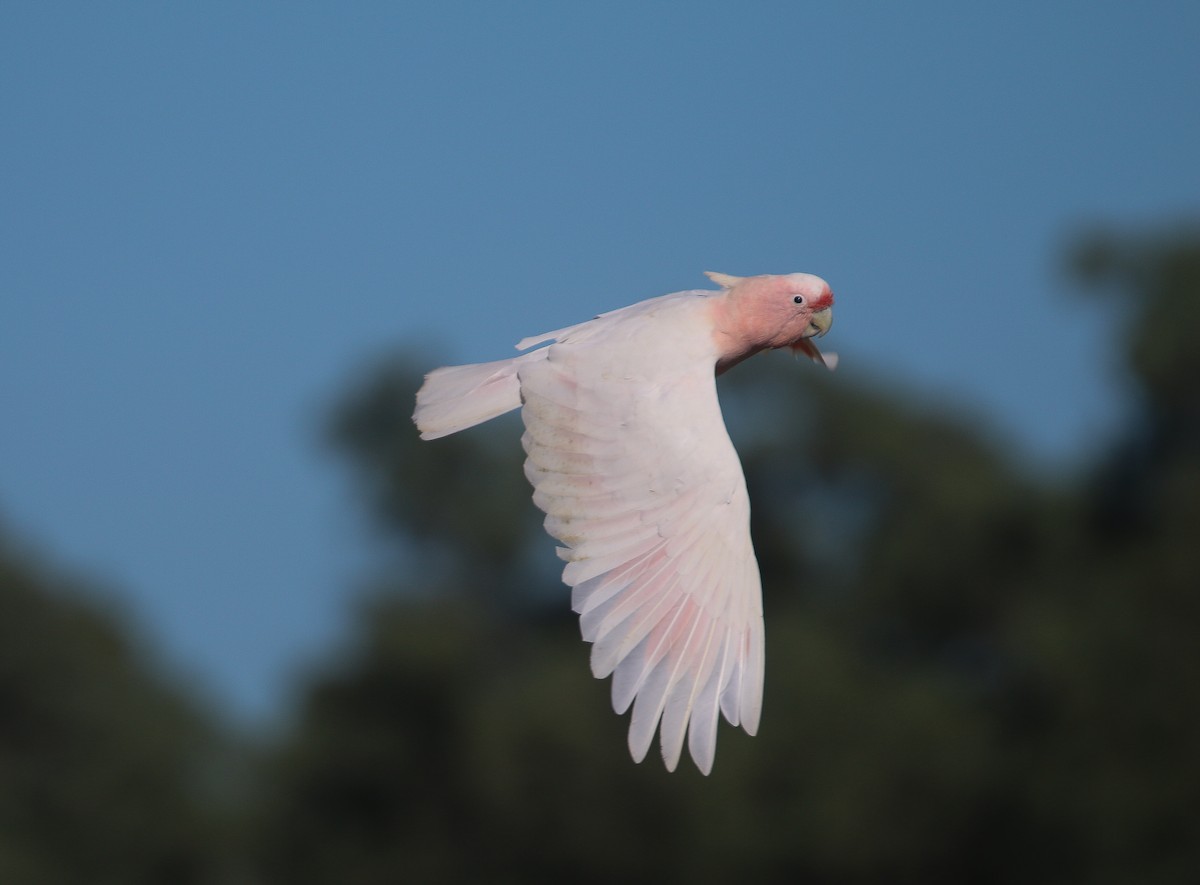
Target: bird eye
column 799, row 299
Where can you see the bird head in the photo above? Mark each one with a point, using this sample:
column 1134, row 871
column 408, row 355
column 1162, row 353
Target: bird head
column 786, row 310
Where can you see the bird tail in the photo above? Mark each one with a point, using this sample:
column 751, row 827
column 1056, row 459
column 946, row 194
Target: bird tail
column 454, row 398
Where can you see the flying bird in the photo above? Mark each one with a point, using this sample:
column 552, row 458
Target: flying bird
column 630, row 460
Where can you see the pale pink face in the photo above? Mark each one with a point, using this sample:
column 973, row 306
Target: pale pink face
column 770, row 311
column 814, row 295
column 787, row 309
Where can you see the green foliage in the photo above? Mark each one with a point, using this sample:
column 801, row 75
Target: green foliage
column 99, row 764
column 1156, row 277
column 450, row 503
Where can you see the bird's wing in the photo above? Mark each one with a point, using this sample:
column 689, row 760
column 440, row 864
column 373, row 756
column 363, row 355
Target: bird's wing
column 630, row 460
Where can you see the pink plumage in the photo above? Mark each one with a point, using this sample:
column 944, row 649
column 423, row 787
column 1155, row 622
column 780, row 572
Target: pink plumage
column 629, row 458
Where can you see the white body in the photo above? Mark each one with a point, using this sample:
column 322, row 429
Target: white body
column 629, row 458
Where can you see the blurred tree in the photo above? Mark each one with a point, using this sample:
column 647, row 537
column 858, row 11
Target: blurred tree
column 102, row 767
column 973, row 676
column 1109, row 638
column 449, row 506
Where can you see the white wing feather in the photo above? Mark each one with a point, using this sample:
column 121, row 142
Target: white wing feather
column 629, row 458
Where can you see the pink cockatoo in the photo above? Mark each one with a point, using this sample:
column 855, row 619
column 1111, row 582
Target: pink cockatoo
column 629, row 458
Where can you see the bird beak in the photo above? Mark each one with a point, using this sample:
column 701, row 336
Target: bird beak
column 818, row 325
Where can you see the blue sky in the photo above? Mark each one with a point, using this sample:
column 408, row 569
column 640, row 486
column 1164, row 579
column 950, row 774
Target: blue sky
column 214, row 216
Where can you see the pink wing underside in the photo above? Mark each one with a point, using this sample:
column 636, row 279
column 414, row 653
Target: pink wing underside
column 630, row 460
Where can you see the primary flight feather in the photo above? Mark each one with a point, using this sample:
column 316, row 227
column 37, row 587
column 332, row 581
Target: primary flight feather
column 630, row 460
